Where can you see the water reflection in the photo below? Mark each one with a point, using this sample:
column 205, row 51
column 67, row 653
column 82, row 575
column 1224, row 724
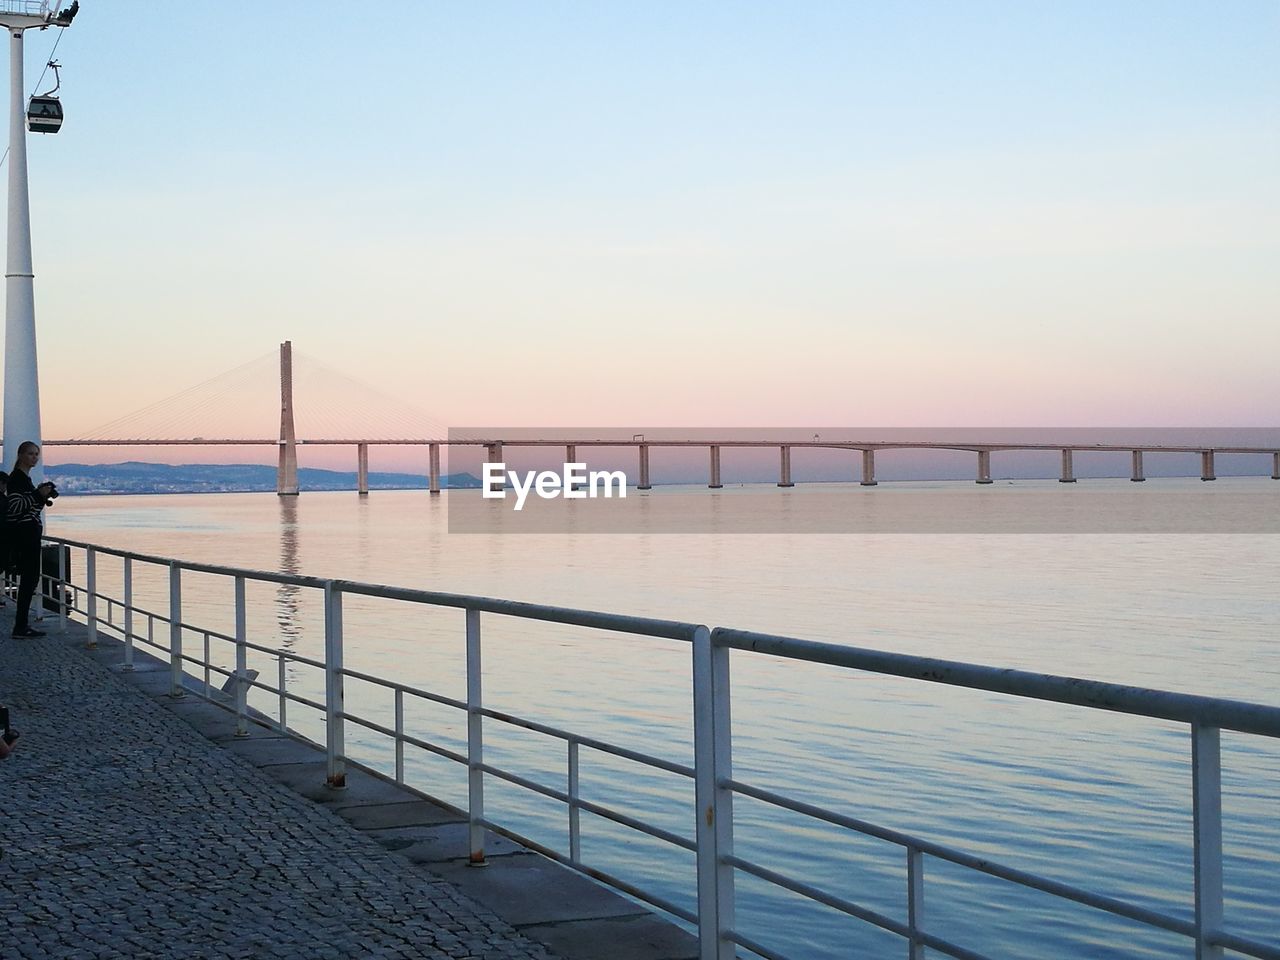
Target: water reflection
column 288, row 595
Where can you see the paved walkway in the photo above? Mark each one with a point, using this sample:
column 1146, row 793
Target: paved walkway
column 127, row 834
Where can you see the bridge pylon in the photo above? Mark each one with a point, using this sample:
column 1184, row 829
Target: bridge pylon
column 287, row 471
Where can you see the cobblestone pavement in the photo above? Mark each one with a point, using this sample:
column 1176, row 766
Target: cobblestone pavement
column 127, row 834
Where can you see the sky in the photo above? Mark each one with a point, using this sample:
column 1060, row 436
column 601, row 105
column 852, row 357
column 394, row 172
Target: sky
column 746, row 214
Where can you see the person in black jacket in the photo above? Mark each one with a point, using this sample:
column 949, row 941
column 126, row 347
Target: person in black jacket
column 6, row 561
column 26, row 501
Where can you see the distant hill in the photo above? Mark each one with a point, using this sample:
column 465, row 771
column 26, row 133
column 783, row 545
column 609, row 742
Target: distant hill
column 135, row 477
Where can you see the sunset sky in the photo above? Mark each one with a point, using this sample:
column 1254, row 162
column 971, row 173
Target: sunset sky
column 891, row 214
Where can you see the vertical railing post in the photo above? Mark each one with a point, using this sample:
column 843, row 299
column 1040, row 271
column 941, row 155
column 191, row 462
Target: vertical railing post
column 399, row 735
column 915, row 902
column 91, row 584
column 575, row 818
column 128, row 613
column 475, row 742
column 334, row 705
column 62, row 587
column 208, row 668
column 1206, row 805
column 281, row 679
column 242, row 662
column 713, row 769
column 175, row 629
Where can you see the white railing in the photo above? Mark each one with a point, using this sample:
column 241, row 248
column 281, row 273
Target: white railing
column 712, row 822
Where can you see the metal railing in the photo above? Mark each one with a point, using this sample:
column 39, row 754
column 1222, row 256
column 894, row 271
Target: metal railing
column 715, row 787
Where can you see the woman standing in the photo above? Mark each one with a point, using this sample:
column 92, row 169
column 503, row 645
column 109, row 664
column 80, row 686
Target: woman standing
column 26, row 501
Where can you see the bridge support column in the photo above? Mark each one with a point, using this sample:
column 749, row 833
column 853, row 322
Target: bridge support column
column 571, row 456
column 362, row 469
column 1068, row 475
column 493, row 454
column 1206, row 465
column 869, row 468
column 1137, row 476
column 1275, row 465
column 984, row 466
column 433, row 474
column 785, row 479
column 715, row 483
column 644, row 468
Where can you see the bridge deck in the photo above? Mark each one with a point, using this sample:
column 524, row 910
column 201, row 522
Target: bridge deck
column 129, row 834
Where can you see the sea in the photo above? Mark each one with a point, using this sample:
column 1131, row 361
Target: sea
column 1085, row 797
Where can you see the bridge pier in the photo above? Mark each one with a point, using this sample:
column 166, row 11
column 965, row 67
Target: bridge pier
column 433, row 475
column 571, row 456
column 362, row 469
column 1275, row 465
column 1206, row 465
column 785, row 479
column 869, row 468
column 1137, row 476
column 984, row 466
column 715, row 483
column 1068, row 475
column 644, row 468
column 493, row 454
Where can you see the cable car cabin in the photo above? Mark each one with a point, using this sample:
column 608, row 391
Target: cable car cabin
column 44, row 115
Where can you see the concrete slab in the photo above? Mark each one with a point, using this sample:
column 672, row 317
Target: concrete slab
column 253, row 731
column 439, row 843
column 530, row 889
column 642, row 937
column 308, row 779
column 208, row 718
column 411, row 813
column 269, row 752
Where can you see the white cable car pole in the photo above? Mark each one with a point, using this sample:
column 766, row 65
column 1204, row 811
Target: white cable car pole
column 21, row 371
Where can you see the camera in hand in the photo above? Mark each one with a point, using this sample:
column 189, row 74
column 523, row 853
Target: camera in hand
column 53, row 493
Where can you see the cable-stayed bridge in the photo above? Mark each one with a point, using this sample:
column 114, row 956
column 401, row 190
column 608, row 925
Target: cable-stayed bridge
column 341, row 411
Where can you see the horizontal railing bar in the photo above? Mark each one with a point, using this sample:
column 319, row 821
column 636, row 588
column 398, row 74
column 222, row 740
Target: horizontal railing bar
column 850, row 908
column 644, row 626
column 278, row 652
column 607, row 878
column 621, row 623
column 946, row 946
column 1244, row 945
column 594, row 744
column 84, row 592
column 305, row 701
column 249, row 644
column 742, row 940
column 415, row 691
column 609, row 814
column 214, row 634
column 1235, row 715
column 406, row 738
column 981, row 864
column 821, row 896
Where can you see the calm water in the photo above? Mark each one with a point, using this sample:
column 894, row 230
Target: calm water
column 1085, row 797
